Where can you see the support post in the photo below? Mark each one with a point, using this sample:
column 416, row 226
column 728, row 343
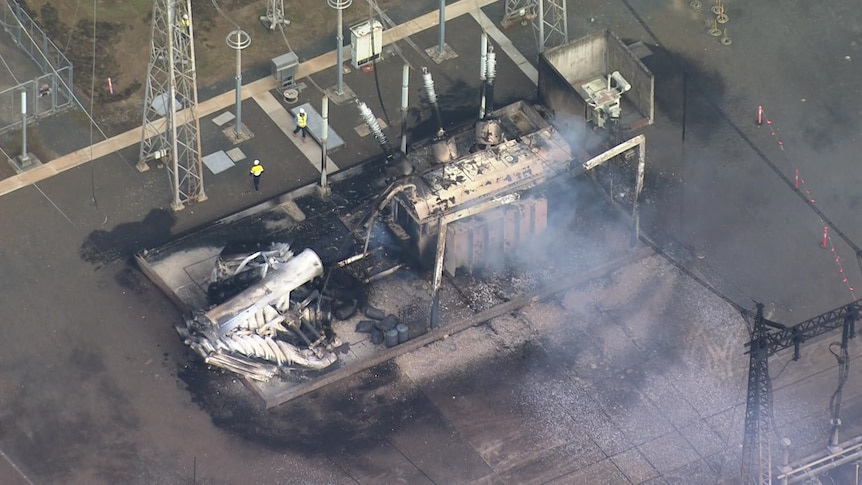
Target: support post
column 238, row 40
column 238, row 127
column 483, row 67
column 639, row 185
column 24, row 155
column 441, row 49
column 405, row 78
column 438, row 272
column 324, row 134
column 339, row 38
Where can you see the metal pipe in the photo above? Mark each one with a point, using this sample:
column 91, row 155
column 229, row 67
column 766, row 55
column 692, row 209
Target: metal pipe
column 483, row 68
column 24, row 155
column 442, row 21
column 405, row 77
column 238, row 127
column 324, row 134
column 339, row 38
column 382, row 274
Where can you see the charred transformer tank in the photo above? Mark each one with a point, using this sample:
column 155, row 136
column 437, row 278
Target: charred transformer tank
column 483, row 195
column 267, row 318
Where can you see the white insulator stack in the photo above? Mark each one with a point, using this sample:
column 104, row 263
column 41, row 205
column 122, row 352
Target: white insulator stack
column 429, row 86
column 371, row 121
column 491, row 65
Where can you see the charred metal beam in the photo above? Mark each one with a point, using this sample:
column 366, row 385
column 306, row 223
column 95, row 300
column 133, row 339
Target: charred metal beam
column 442, row 224
column 787, row 337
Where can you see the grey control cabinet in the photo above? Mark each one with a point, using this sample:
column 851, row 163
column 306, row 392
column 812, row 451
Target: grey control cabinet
column 284, row 69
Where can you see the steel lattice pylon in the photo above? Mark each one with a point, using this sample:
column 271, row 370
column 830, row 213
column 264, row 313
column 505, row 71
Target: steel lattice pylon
column 552, row 24
column 519, row 10
column 548, row 16
column 274, row 14
column 756, row 450
column 171, row 129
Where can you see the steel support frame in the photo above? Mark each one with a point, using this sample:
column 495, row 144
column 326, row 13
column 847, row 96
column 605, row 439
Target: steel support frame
column 756, row 451
column 174, row 135
column 551, row 23
column 274, row 15
column 519, row 11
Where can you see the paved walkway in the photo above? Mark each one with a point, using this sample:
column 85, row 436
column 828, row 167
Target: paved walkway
column 251, row 90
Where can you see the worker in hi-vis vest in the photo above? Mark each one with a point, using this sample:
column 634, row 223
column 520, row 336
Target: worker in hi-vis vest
column 185, row 24
column 255, row 172
column 301, row 123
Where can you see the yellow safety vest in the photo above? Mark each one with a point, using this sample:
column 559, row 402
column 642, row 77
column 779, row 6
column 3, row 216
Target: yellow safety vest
column 185, row 23
column 256, row 170
column 301, row 119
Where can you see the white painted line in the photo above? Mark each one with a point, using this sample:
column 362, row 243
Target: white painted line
column 282, row 119
column 15, row 467
column 506, row 45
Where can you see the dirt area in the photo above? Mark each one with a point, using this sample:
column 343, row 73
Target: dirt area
column 120, row 43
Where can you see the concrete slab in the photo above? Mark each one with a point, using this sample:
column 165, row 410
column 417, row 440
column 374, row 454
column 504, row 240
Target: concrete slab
column 236, row 154
column 218, row 162
column 223, row 118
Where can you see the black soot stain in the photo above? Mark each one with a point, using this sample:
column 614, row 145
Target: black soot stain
column 102, row 247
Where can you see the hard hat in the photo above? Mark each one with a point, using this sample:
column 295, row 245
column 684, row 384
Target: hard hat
column 302, row 110
column 185, row 16
column 257, row 162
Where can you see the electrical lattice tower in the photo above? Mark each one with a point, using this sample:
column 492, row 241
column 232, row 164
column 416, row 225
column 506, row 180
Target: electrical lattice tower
column 756, row 450
column 519, row 11
column 548, row 17
column 552, row 24
column 171, row 129
column 274, row 15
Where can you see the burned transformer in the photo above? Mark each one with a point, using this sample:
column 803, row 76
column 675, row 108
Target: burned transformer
column 267, row 317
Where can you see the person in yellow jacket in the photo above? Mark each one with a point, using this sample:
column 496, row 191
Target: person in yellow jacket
column 185, row 24
column 255, row 172
column 301, row 123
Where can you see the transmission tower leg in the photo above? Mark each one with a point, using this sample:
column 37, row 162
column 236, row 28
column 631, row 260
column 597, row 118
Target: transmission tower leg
column 551, row 24
column 274, row 15
column 756, row 450
column 518, row 11
column 170, row 128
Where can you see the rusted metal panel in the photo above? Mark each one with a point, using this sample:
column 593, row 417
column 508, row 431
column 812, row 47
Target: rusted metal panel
column 486, row 240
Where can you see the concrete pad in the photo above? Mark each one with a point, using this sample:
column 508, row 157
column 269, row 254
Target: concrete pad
column 236, row 154
column 438, row 57
column 223, row 118
column 217, row 162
